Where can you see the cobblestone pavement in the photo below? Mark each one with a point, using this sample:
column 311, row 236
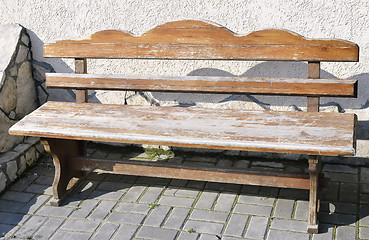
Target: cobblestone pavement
column 108, row 206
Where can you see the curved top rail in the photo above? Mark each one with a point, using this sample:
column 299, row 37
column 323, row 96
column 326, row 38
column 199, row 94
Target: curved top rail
column 190, row 39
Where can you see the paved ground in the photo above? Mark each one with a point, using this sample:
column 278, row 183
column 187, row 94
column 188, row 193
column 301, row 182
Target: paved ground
column 111, row 206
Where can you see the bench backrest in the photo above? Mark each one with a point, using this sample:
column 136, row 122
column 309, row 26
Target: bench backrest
column 200, row 40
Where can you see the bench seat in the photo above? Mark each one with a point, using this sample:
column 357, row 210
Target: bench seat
column 269, row 131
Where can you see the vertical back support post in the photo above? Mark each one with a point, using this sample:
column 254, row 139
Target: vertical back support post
column 314, row 161
column 80, row 65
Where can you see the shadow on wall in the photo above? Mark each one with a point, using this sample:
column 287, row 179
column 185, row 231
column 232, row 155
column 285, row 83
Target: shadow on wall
column 271, row 69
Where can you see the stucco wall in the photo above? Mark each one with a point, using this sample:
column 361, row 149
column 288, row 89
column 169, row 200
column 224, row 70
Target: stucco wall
column 51, row 20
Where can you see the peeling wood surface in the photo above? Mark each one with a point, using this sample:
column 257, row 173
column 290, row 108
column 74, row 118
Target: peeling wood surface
column 269, row 131
column 206, row 84
column 191, row 39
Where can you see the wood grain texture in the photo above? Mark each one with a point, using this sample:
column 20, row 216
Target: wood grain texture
column 169, row 170
column 206, row 84
column 191, row 39
column 269, row 131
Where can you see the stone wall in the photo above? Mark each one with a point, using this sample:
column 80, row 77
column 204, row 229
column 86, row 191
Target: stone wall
column 17, row 98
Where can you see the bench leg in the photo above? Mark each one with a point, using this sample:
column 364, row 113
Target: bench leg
column 65, row 179
column 314, row 170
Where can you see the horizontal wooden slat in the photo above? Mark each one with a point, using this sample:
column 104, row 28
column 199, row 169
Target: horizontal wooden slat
column 267, row 131
column 212, row 174
column 199, row 40
column 206, row 84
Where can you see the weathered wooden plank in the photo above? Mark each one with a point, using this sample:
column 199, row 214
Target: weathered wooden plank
column 199, row 40
column 269, row 131
column 237, row 85
column 212, row 174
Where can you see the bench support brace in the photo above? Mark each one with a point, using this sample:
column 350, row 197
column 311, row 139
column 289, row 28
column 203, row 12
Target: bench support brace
column 314, row 170
column 66, row 179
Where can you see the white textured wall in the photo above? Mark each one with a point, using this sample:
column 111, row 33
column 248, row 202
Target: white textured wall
column 343, row 19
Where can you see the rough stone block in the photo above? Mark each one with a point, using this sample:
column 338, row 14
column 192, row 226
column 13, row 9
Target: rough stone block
column 11, row 170
column 3, row 180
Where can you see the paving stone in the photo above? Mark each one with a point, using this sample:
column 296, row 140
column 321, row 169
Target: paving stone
column 225, row 163
column 196, row 184
column 66, row 235
column 209, row 237
column 9, row 206
column 364, row 198
column 178, row 192
column 30, row 227
column 85, row 208
column 290, row 225
column 39, row 189
column 345, row 232
column 106, row 231
column 102, row 210
column 269, row 191
column 44, row 180
column 176, row 201
column 17, row 196
column 268, row 164
column 206, row 200
column 277, row 235
column 152, row 194
column 23, row 183
column 242, row 164
column 184, row 235
column 342, row 177
column 134, row 193
column 302, row 210
column 52, row 211
column 7, row 230
column 225, row 202
column 133, row 208
column 289, row 193
column 113, row 186
column 85, row 189
column 80, row 225
column 210, row 216
column 338, row 207
column 337, row 218
column 330, row 193
column 106, row 195
column 177, row 218
column 364, row 215
column 12, row 218
column 157, row 216
column 257, row 200
column 250, row 189
column 204, row 227
column 156, row 233
column 364, row 175
column 325, row 232
column 340, row 169
column 363, row 233
column 153, row 181
column 349, row 192
column 49, row 228
column 284, row 208
column 236, row 225
column 257, row 227
column 223, row 187
column 126, row 231
column 33, row 205
column 129, row 218
column 253, row 210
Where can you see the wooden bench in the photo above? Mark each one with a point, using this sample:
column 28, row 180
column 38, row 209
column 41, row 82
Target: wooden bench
column 64, row 126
